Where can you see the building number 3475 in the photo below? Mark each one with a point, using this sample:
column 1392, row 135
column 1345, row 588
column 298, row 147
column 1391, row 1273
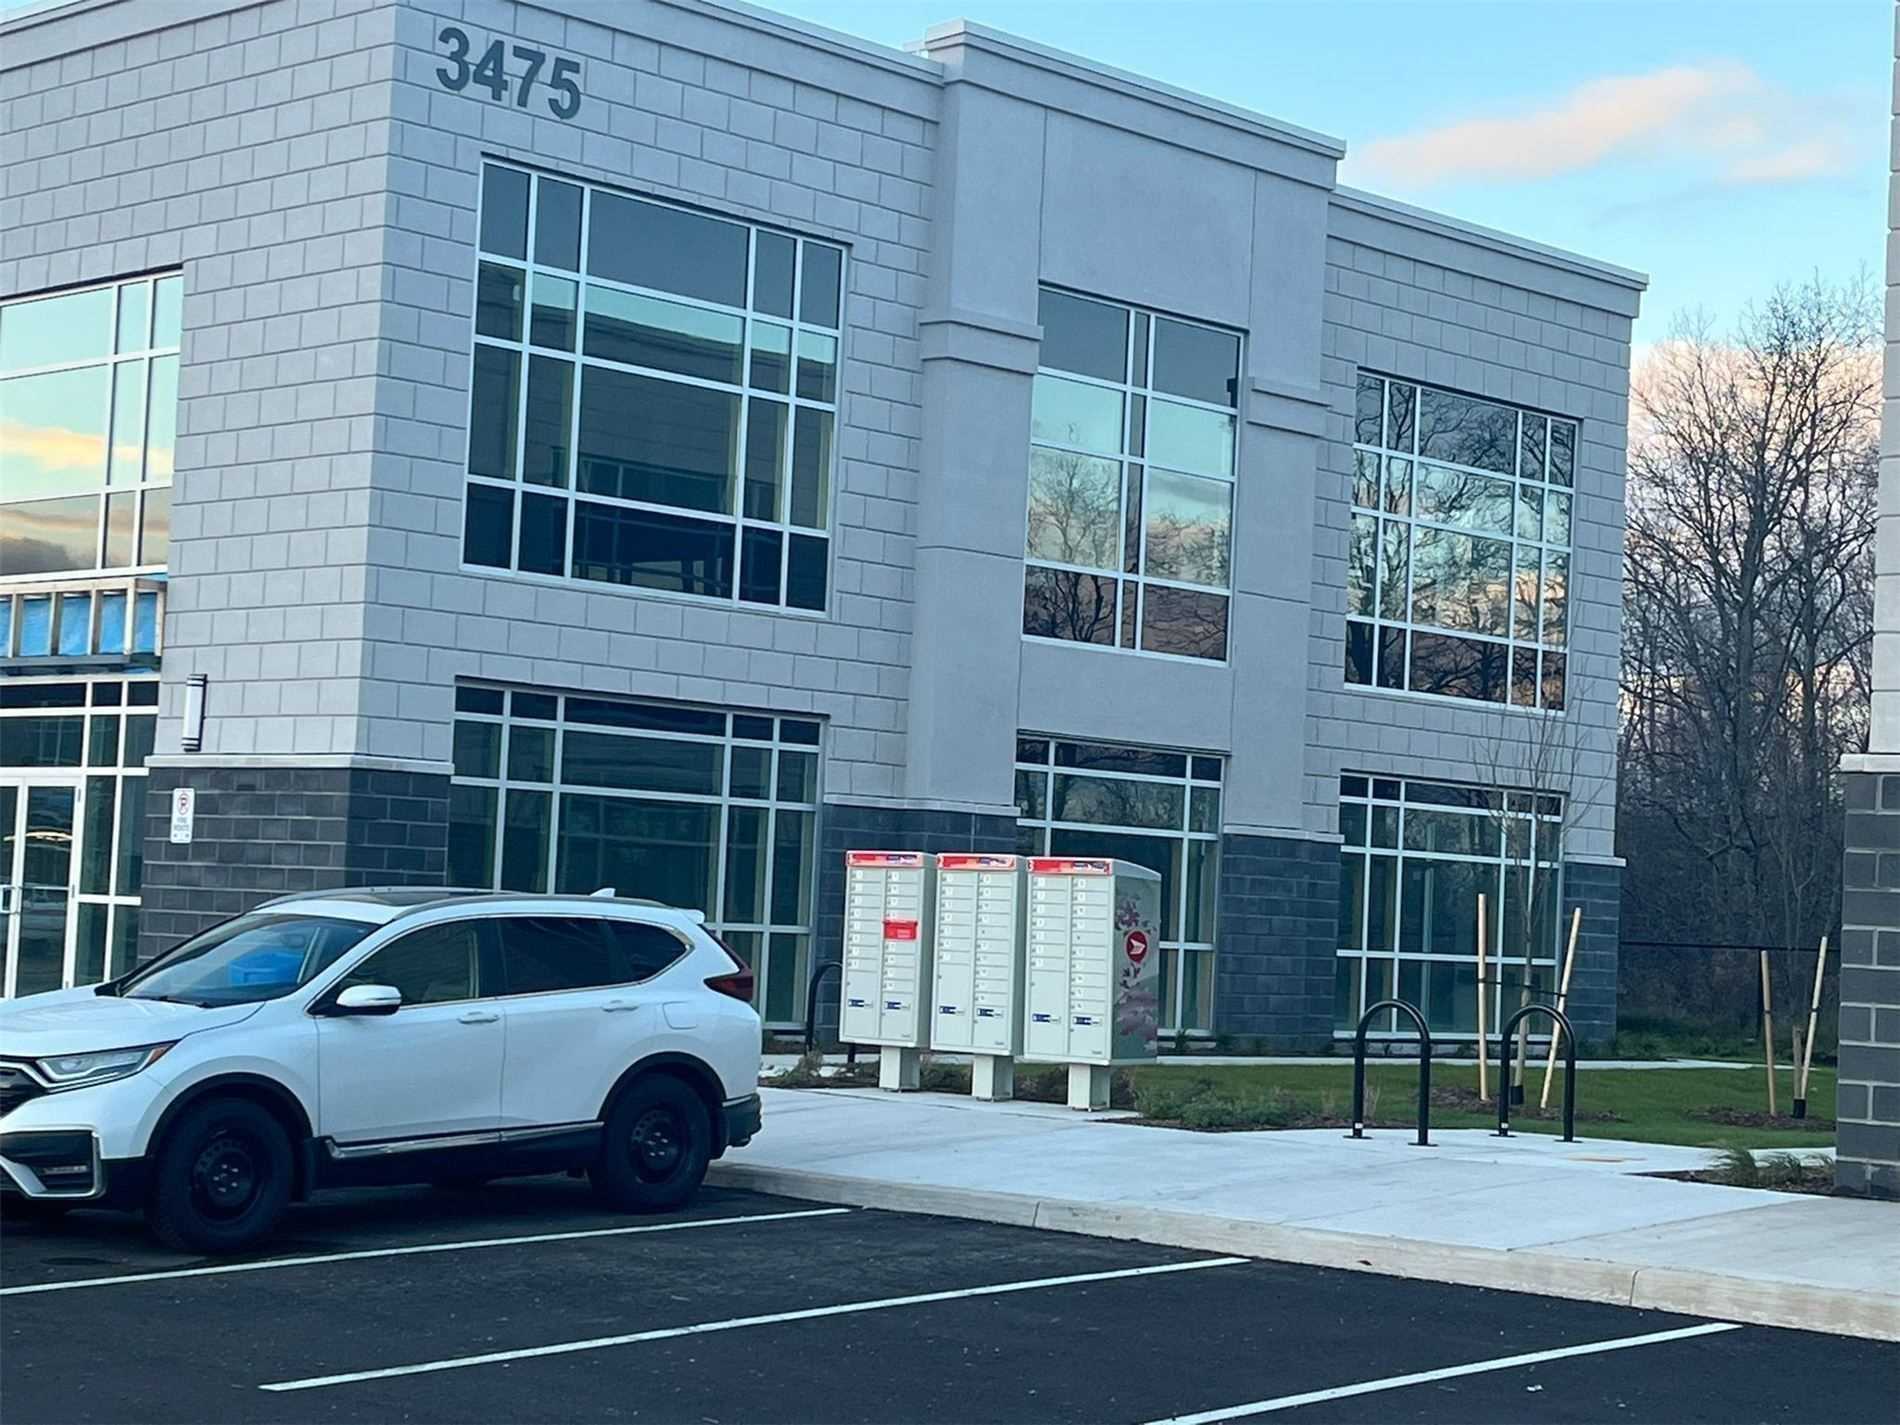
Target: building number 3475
column 488, row 72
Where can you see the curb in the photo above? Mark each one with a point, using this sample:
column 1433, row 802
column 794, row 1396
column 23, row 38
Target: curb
column 1690, row 1293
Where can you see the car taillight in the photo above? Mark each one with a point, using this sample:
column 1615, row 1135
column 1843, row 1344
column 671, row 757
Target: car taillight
column 739, row 984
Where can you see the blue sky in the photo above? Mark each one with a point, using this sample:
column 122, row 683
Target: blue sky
column 1721, row 148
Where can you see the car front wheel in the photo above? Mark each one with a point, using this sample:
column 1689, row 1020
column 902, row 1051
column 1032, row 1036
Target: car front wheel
column 222, row 1179
column 656, row 1143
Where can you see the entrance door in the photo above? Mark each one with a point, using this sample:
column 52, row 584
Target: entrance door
column 39, row 829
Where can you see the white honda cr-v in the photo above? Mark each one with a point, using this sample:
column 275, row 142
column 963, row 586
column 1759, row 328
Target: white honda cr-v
column 383, row 1036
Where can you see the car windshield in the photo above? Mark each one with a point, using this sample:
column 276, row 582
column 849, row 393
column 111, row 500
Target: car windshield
column 255, row 957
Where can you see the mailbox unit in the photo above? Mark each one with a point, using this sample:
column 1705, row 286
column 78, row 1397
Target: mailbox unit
column 1091, row 995
column 885, row 989
column 978, row 954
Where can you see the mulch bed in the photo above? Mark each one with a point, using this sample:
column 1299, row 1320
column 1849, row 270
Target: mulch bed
column 1809, row 1186
column 1747, row 1118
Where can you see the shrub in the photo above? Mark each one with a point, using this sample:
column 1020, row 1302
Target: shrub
column 936, row 1077
column 1737, row 1168
column 1216, row 1111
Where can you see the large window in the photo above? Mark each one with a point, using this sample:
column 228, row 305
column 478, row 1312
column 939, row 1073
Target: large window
column 88, row 410
column 1131, row 480
column 1158, row 809
column 1458, row 560
column 1417, row 856
column 710, row 810
column 654, row 396
column 72, row 826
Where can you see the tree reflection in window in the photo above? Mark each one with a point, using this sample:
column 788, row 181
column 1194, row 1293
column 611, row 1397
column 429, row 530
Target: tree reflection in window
column 1468, row 505
column 1131, row 471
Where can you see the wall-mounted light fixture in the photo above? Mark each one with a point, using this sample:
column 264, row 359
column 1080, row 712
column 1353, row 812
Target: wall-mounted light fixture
column 193, row 739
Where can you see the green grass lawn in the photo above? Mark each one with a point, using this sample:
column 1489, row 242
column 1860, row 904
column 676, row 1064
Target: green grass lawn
column 1650, row 1105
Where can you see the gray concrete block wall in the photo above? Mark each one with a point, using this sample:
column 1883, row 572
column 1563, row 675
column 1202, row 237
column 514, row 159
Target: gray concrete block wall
column 247, row 147
column 1278, row 917
column 1868, row 1107
column 680, row 104
column 1419, row 304
column 268, row 831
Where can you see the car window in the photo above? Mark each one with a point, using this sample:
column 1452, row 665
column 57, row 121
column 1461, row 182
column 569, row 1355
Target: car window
column 254, row 957
column 541, row 953
column 641, row 950
column 434, row 965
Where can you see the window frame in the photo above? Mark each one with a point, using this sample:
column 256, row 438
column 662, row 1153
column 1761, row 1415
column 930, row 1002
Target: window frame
column 1044, row 827
column 1501, row 863
column 149, row 353
column 119, row 907
column 1140, row 385
column 761, row 931
column 1511, row 642
column 525, row 350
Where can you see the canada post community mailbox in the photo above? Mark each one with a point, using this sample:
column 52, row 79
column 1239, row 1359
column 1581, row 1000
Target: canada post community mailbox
column 888, row 897
column 976, row 1007
column 1091, row 996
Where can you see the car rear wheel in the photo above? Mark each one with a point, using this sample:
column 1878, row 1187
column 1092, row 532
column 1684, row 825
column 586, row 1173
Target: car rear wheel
column 656, row 1144
column 222, row 1178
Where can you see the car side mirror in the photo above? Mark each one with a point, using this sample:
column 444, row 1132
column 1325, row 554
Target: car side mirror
column 369, row 999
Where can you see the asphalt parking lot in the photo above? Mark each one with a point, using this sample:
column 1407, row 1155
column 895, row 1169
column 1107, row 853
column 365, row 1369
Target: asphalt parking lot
column 525, row 1302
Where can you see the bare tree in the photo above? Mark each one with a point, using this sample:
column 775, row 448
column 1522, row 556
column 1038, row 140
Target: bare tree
column 1546, row 787
column 1747, row 617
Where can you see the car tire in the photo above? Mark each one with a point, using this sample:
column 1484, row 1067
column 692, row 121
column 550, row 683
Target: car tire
column 221, row 1180
column 656, row 1144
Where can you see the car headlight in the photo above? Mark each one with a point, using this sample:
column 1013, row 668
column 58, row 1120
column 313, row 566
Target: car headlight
column 71, row 1071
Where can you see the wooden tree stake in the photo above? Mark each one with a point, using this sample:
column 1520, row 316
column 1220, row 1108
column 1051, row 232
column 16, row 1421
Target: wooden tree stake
column 1563, row 997
column 1814, row 1010
column 1484, row 1051
column 1768, row 1032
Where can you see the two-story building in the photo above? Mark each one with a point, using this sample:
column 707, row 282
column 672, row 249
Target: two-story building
column 661, row 444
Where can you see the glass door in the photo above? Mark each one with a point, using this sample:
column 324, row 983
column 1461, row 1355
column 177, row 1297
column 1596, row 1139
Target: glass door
column 39, row 827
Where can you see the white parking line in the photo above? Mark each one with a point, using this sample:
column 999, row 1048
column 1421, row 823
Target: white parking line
column 1505, row 1363
column 666, row 1333
column 421, row 1249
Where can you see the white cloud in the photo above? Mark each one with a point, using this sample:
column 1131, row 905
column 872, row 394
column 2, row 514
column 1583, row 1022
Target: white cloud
column 1724, row 115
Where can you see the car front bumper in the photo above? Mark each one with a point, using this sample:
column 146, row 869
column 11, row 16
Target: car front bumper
column 59, row 1163
column 744, row 1116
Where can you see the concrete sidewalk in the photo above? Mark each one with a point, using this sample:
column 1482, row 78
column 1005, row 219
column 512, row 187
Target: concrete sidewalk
column 1528, row 1214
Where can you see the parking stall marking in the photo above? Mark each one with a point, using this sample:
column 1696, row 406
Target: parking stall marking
column 1503, row 1363
column 737, row 1323
column 417, row 1250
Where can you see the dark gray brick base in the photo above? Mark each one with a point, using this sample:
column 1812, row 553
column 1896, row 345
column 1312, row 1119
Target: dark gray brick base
column 264, row 831
column 1598, row 889
column 1276, row 936
column 843, row 826
column 1867, row 1143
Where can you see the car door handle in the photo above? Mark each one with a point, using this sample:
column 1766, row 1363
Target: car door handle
column 479, row 1016
column 620, row 1006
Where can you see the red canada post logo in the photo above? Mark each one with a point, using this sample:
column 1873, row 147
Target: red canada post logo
column 1136, row 945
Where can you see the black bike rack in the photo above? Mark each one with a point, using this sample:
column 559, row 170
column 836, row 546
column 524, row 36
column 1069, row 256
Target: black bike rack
column 1424, row 1070
column 1562, row 1022
column 811, row 1009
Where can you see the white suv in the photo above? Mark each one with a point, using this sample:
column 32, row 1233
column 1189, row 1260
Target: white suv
column 379, row 1036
